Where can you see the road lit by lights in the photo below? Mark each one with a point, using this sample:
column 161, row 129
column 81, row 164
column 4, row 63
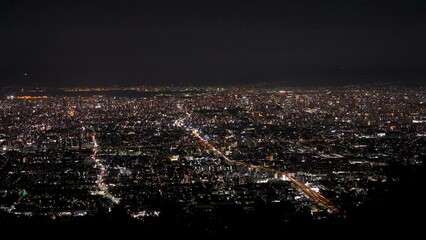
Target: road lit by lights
column 316, row 196
column 100, row 179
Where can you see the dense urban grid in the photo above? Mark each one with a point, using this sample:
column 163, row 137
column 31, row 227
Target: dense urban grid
column 206, row 159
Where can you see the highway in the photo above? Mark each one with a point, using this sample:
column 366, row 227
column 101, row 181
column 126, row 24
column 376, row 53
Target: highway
column 316, row 196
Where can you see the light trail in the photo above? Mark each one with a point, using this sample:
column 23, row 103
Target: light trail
column 316, row 196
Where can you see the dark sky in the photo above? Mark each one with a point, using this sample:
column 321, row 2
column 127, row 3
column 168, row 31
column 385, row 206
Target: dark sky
column 63, row 43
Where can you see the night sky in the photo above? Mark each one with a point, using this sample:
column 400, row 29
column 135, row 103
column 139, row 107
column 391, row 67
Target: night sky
column 77, row 43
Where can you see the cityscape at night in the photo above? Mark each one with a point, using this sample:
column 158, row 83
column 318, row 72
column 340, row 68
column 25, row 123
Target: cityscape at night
column 208, row 159
column 213, row 118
